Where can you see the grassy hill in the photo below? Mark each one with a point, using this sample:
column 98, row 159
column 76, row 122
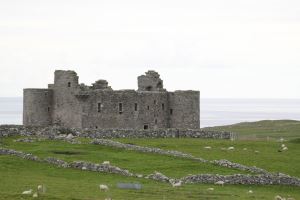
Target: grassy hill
column 17, row 175
column 289, row 129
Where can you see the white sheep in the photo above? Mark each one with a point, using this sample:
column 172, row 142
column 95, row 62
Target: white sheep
column 35, row 195
column 207, row 147
column 230, row 148
column 284, row 148
column 27, row 192
column 176, row 184
column 256, row 151
column 277, row 197
column 220, row 183
column 39, row 188
column 250, row 192
column 245, row 149
column 210, row 189
column 103, row 187
column 106, row 163
column 283, row 145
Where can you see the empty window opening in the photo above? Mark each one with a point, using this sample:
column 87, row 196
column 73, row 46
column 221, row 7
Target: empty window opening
column 159, row 85
column 163, row 106
column 48, row 109
column 155, row 121
column 146, row 126
column 96, row 127
column 171, row 111
column 120, row 108
column 148, row 107
column 69, row 84
column 99, row 107
column 154, row 102
column 149, row 88
column 135, row 107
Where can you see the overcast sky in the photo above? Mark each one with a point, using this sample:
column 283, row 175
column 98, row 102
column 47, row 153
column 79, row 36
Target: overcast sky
column 224, row 48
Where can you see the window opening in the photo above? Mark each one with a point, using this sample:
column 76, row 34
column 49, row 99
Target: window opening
column 69, row 84
column 120, row 108
column 135, row 107
column 146, row 126
column 163, row 106
column 171, row 111
column 99, row 107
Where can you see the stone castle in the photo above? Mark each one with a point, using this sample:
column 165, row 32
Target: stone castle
column 70, row 104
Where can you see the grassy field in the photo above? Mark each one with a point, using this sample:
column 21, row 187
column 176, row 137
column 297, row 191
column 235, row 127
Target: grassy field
column 17, row 175
column 288, row 129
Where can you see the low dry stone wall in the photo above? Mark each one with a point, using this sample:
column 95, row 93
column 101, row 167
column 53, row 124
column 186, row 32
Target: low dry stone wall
column 228, row 164
column 82, row 165
column 264, row 179
column 222, row 163
column 52, row 131
column 243, row 179
column 111, row 143
column 20, row 154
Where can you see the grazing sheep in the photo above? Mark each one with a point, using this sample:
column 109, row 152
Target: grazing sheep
column 230, row 148
column 103, row 187
column 35, row 195
column 176, row 184
column 207, row 147
column 284, row 148
column 245, row 149
column 281, row 140
column 210, row 189
column 250, row 192
column 277, row 197
column 106, row 163
column 39, row 188
column 220, row 183
column 84, row 168
column 256, row 151
column 27, row 192
column 283, row 145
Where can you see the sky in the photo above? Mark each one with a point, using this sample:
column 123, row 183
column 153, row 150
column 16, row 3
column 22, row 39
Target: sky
column 225, row 49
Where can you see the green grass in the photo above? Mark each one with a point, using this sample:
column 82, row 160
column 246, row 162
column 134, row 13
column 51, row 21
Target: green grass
column 268, row 157
column 288, row 129
column 17, row 175
column 136, row 162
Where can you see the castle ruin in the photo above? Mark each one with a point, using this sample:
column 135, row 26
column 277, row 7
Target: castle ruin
column 70, row 104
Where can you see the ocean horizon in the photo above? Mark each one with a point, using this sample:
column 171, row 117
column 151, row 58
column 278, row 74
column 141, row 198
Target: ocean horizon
column 213, row 111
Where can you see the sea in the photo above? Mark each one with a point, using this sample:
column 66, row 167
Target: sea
column 213, row 112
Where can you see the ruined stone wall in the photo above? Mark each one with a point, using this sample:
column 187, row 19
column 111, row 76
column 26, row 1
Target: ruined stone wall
column 37, row 107
column 66, row 108
column 184, row 109
column 138, row 109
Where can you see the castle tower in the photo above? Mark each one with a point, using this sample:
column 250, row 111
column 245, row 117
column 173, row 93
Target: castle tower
column 37, row 107
column 150, row 82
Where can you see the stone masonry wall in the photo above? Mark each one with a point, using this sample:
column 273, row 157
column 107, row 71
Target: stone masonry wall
column 112, row 133
column 37, row 107
column 73, row 105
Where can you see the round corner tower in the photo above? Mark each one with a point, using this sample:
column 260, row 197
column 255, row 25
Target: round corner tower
column 37, row 107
